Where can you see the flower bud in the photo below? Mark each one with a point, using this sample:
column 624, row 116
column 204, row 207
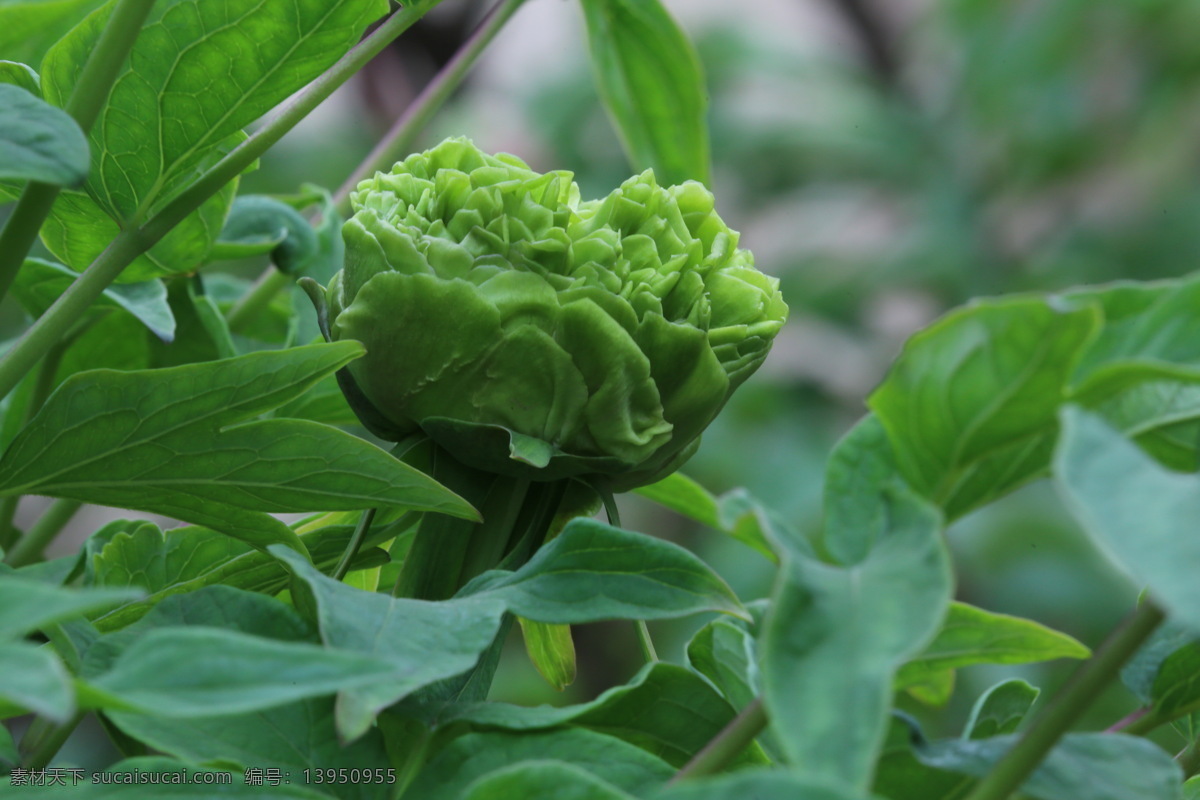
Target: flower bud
column 532, row 334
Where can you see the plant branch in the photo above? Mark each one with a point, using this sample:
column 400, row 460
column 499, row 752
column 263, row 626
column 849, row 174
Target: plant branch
column 252, row 303
column 40, row 390
column 355, row 544
column 1066, row 706
column 131, row 243
column 726, row 745
column 397, row 143
column 90, row 93
column 29, row 549
column 401, row 137
column 44, row 739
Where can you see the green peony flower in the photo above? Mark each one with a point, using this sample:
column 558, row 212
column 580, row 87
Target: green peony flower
column 534, row 335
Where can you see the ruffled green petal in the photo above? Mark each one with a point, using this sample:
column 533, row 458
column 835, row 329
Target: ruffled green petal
column 414, row 357
column 624, row 413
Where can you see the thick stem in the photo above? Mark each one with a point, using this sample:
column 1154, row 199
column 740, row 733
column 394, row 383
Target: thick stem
column 50, row 328
column 29, row 549
column 400, row 138
column 1072, row 700
column 728, row 744
column 133, row 242
column 88, row 97
column 44, row 739
column 38, row 394
column 254, row 302
column 22, row 228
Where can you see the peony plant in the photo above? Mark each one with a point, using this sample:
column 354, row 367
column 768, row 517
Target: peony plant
column 534, row 335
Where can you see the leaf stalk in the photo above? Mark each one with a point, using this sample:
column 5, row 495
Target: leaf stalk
column 400, row 139
column 1071, row 701
column 726, row 745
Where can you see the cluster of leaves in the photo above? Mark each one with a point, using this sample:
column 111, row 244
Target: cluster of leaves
column 240, row 642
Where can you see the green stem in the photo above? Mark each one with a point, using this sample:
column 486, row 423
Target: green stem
column 354, row 545
column 88, row 97
column 40, row 391
column 645, row 643
column 1072, row 700
column 398, row 142
column 728, row 744
column 254, row 302
column 401, row 137
column 44, row 739
column 1189, row 759
column 49, row 525
column 8, row 511
column 22, row 228
column 50, row 328
column 132, row 242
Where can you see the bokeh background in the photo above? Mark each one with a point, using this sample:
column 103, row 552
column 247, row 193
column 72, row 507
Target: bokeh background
column 887, row 160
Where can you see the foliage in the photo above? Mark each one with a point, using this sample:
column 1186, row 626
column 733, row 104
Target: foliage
column 351, row 653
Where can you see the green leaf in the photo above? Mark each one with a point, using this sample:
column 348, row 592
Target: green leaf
column 860, row 469
column 588, row 573
column 1176, row 688
column 665, row 709
column 735, row 513
column 543, row 780
column 211, row 320
column 183, row 560
column 260, row 225
column 970, row 403
column 1155, row 322
column 626, row 767
column 651, row 81
column 551, row 650
column 1098, row 766
column 197, row 75
column 211, row 607
column 751, row 785
column 723, row 652
column 8, row 749
column 971, row 635
column 35, row 680
column 835, row 636
column 199, row 672
column 593, row 571
column 684, row 496
column 1157, row 407
column 934, row 689
column 40, row 283
column 1191, row 789
column 22, row 75
column 175, row 442
column 1141, row 671
column 424, row 642
column 1137, row 511
column 142, row 555
column 1000, row 709
column 899, row 775
column 39, row 142
column 29, row 29
column 28, row 605
column 293, row 738
column 78, row 231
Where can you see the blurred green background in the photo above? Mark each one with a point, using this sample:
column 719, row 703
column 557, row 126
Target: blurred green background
column 887, row 160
